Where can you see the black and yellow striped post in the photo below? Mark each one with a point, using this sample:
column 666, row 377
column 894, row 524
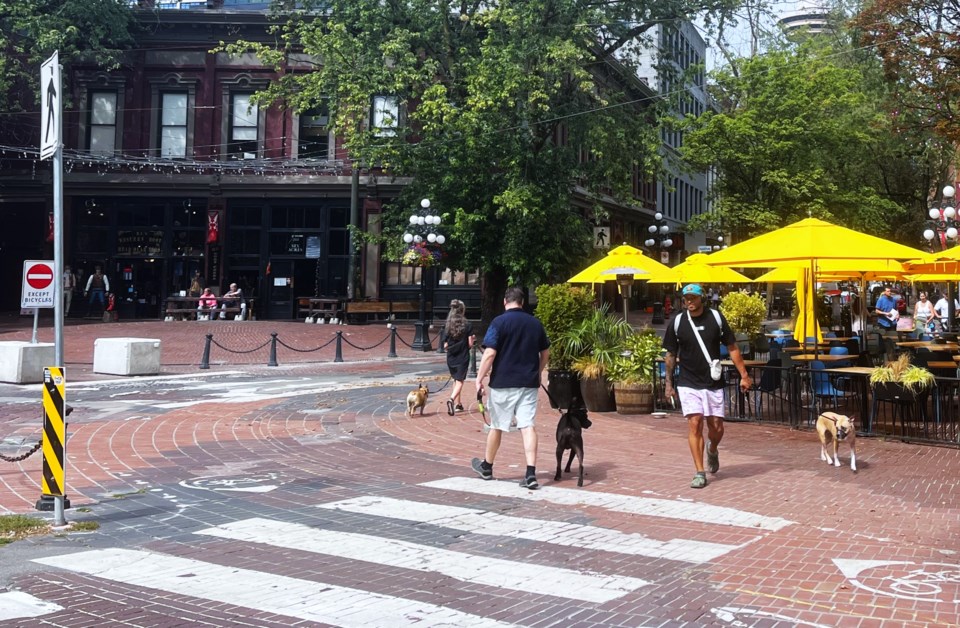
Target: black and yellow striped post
column 54, row 444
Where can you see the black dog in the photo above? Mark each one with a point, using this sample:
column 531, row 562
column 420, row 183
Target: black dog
column 570, row 436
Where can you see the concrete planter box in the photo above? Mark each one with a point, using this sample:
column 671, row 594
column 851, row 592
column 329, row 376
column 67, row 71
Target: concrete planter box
column 23, row 363
column 126, row 356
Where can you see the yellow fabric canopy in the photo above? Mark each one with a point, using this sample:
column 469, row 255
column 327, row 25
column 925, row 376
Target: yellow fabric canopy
column 697, row 269
column 812, row 239
column 623, row 259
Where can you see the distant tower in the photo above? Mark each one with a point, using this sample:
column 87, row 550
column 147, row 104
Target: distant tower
column 806, row 21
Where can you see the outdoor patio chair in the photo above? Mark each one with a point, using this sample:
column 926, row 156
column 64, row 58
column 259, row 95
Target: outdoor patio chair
column 821, row 384
column 770, row 380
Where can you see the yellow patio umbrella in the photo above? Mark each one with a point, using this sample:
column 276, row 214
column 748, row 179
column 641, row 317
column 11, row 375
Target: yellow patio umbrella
column 697, row 269
column 623, row 259
column 810, row 242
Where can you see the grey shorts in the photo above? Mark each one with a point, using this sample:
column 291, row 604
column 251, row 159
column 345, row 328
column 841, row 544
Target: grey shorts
column 507, row 403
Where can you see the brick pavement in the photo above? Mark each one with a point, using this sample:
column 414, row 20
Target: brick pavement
column 902, row 506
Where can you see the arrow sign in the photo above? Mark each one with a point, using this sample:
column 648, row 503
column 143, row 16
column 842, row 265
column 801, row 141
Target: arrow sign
column 50, row 103
column 38, row 285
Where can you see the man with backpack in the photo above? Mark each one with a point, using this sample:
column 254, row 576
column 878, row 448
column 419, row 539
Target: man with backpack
column 694, row 337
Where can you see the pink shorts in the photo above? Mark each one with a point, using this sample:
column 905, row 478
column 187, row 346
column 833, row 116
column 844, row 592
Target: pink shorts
column 705, row 402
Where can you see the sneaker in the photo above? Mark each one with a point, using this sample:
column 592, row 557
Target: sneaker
column 459, row 407
column 530, row 483
column 699, row 481
column 477, row 465
column 450, row 407
column 713, row 460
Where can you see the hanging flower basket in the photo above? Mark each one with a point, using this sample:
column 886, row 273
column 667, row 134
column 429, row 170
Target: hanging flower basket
column 420, row 255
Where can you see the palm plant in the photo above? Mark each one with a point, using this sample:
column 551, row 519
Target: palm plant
column 595, row 342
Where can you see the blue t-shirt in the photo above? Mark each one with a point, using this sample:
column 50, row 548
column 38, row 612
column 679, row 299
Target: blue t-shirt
column 885, row 304
column 518, row 338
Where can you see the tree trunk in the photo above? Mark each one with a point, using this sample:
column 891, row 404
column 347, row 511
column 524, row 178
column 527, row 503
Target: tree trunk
column 492, row 286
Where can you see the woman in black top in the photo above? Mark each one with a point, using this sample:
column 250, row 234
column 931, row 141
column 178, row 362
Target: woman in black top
column 459, row 340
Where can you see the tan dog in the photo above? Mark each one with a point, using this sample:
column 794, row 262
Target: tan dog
column 417, row 399
column 837, row 427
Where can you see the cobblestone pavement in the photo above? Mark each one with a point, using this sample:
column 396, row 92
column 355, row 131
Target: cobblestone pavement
column 303, row 495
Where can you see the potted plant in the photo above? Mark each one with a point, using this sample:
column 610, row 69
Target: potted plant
column 745, row 313
column 594, row 344
column 633, row 372
column 901, row 381
column 560, row 307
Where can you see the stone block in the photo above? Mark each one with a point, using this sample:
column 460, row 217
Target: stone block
column 126, row 356
column 22, row 362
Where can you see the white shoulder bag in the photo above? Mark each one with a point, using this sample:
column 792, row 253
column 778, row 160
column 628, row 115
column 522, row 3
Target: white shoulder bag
column 716, row 369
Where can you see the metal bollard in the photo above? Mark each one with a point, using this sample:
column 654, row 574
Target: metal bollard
column 339, row 356
column 473, row 360
column 273, row 350
column 440, row 339
column 205, row 360
column 393, row 341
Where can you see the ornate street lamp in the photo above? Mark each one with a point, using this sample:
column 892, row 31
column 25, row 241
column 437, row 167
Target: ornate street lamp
column 423, row 250
column 659, row 234
column 941, row 232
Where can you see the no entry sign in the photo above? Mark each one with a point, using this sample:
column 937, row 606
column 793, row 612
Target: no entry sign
column 38, row 284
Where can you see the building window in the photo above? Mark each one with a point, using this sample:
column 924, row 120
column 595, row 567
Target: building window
column 243, row 127
column 385, row 116
column 173, row 125
column 103, row 122
column 314, row 138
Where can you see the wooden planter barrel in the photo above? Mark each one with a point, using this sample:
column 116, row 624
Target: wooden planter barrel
column 633, row 398
column 598, row 394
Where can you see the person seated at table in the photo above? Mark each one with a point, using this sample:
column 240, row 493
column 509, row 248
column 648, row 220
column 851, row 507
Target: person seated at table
column 207, row 303
column 234, row 298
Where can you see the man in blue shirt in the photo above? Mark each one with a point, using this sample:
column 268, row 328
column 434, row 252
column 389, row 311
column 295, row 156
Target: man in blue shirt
column 515, row 354
column 885, row 305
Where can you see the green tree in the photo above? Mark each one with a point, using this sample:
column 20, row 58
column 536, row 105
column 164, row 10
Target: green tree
column 919, row 43
column 499, row 102
column 806, row 131
column 31, row 30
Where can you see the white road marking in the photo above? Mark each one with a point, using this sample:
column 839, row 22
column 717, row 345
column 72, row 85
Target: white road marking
column 494, row 572
column 646, row 506
column 19, row 605
column 282, row 595
column 556, row 532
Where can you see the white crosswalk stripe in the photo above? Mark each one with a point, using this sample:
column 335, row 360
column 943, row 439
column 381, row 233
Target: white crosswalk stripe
column 317, row 601
column 647, row 506
column 20, row 605
column 556, row 532
column 282, row 595
column 464, row 567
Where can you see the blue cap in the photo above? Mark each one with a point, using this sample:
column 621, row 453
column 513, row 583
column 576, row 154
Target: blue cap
column 692, row 289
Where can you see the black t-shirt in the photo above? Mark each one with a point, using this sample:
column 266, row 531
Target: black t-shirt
column 519, row 338
column 694, row 368
column 458, row 349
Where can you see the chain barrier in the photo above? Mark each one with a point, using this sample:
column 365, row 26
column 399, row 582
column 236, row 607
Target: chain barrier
column 323, row 346
column 34, row 450
column 242, row 351
column 374, row 346
column 400, row 338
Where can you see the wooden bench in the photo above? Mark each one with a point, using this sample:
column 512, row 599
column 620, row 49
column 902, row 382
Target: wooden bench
column 181, row 308
column 313, row 307
column 367, row 310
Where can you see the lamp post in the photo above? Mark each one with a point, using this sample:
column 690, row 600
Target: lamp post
column 659, row 238
column 942, row 229
column 659, row 234
column 423, row 243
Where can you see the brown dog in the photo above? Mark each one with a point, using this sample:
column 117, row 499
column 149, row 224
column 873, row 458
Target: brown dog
column 837, row 427
column 417, row 399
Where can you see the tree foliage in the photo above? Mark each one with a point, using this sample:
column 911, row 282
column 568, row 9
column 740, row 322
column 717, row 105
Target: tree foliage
column 919, row 43
column 31, row 30
column 805, row 131
column 500, row 101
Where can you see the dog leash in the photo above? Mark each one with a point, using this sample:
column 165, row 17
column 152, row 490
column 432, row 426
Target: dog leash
column 483, row 410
